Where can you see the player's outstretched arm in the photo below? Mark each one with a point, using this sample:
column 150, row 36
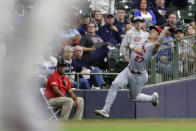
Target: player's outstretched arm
column 160, row 39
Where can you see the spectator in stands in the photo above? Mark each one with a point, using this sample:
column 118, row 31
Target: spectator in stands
column 132, row 37
column 98, row 20
column 82, row 66
column 92, row 14
column 83, row 27
column 151, row 3
column 131, row 17
column 95, row 49
column 144, row 28
column 145, row 13
column 128, row 27
column 68, row 36
column 190, row 30
column 57, row 87
column 109, row 32
column 76, row 40
column 120, row 21
column 186, row 53
column 46, row 65
column 77, row 37
column 68, row 53
column 173, row 19
column 161, row 13
column 69, row 31
column 165, row 58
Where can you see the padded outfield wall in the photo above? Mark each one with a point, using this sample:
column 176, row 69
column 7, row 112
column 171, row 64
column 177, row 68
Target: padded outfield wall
column 177, row 100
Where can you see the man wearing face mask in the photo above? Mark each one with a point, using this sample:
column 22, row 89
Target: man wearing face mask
column 56, row 89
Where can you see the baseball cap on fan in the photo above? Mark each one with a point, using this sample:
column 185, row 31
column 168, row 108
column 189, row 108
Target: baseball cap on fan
column 85, row 15
column 110, row 15
column 61, row 62
column 158, row 29
column 179, row 30
column 138, row 18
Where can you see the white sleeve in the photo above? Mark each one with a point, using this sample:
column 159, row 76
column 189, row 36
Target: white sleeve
column 124, row 48
column 150, row 49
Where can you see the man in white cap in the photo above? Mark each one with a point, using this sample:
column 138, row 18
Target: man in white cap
column 133, row 37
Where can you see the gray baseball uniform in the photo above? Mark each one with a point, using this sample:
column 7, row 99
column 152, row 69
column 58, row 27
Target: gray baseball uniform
column 134, row 75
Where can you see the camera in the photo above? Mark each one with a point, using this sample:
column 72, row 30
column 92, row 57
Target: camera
column 172, row 27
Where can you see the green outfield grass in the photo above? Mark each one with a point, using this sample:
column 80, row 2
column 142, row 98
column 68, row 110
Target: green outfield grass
column 129, row 125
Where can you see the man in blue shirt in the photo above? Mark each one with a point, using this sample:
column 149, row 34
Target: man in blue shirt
column 83, row 27
column 109, row 32
column 120, row 21
column 81, row 65
column 160, row 12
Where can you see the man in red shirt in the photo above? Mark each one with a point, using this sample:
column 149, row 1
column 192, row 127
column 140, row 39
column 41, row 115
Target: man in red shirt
column 56, row 89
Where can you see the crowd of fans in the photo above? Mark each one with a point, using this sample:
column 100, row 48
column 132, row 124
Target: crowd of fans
column 86, row 41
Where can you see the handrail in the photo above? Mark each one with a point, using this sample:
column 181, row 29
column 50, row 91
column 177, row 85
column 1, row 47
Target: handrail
column 176, row 55
column 175, row 72
column 91, row 73
column 77, row 75
column 174, row 40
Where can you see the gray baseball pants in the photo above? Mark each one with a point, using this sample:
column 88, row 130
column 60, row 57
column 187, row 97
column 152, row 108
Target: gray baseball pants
column 134, row 82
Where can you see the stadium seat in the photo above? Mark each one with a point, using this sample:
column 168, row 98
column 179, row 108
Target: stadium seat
column 54, row 110
column 115, row 60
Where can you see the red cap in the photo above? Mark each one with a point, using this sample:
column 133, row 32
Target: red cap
column 158, row 29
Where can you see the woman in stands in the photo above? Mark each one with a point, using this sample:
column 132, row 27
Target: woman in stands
column 190, row 30
column 98, row 20
column 145, row 13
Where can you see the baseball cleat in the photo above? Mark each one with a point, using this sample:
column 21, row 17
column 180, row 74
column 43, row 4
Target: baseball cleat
column 102, row 113
column 155, row 99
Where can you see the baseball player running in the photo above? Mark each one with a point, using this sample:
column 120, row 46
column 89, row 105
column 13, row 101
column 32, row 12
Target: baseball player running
column 135, row 75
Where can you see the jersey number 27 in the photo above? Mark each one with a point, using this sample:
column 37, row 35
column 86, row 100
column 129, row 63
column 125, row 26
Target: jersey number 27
column 139, row 59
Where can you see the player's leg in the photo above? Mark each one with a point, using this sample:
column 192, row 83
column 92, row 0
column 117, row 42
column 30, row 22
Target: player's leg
column 136, row 83
column 120, row 81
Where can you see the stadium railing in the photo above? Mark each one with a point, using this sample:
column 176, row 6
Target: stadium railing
column 173, row 68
